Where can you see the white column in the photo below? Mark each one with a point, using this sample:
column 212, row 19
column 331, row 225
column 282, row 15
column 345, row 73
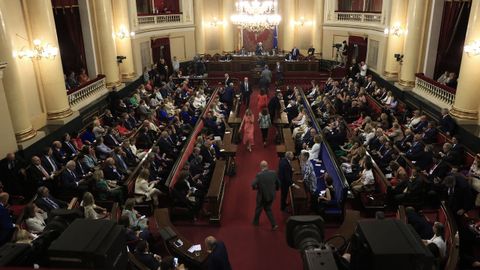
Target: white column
column 199, row 27
column 466, row 100
column 228, row 29
column 124, row 43
column 317, row 27
column 106, row 40
column 413, row 39
column 287, row 10
column 42, row 25
column 8, row 142
column 395, row 42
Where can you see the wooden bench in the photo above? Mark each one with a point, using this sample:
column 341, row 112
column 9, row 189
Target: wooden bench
column 298, row 196
column 134, row 263
column 376, row 200
column 289, row 144
column 193, row 260
column 216, row 191
column 282, row 121
column 229, row 148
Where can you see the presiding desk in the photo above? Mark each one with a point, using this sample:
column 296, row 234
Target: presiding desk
column 196, row 259
column 255, row 63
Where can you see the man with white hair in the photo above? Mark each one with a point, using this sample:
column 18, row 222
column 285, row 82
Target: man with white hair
column 246, row 90
column 266, row 183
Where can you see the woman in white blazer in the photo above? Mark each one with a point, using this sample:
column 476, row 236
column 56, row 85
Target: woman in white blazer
column 146, row 189
column 34, row 218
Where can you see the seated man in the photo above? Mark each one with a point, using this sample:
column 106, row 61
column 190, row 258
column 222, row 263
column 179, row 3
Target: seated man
column 7, row 227
column 366, row 181
column 46, row 202
column 411, row 191
column 71, row 181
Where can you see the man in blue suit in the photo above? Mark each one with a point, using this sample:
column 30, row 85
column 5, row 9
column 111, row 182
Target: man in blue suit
column 218, row 259
column 285, row 174
column 7, row 227
column 416, row 147
column 447, row 123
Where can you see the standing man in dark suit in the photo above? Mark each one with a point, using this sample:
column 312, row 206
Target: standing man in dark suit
column 13, row 174
column 7, row 227
column 285, row 174
column 228, row 96
column 311, row 51
column 218, row 259
column 246, row 90
column 447, row 123
column 266, row 183
column 295, row 53
column 459, row 194
column 228, row 80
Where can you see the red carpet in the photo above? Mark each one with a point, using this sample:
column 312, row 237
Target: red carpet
column 250, row 247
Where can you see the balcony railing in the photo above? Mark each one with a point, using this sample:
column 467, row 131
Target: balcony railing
column 94, row 86
column 441, row 93
column 159, row 19
column 343, row 16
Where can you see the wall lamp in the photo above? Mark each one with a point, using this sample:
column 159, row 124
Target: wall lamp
column 473, row 48
column 395, row 30
column 216, row 22
column 302, row 22
column 123, row 33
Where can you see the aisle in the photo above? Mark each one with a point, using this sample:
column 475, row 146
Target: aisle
column 250, row 247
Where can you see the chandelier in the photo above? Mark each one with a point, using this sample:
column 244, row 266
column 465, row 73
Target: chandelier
column 38, row 52
column 256, row 15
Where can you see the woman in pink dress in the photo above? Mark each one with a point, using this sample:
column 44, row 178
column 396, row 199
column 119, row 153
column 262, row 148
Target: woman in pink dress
column 248, row 128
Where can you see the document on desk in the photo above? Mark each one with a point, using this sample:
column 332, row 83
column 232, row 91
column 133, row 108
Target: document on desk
column 194, row 248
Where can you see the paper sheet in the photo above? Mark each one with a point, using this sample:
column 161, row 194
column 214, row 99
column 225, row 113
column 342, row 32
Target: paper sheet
column 194, row 248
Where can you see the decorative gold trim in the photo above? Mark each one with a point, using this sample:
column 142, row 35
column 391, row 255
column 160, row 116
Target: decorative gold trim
column 110, row 85
column 59, row 115
column 390, row 74
column 129, row 75
column 26, row 135
column 464, row 114
column 406, row 83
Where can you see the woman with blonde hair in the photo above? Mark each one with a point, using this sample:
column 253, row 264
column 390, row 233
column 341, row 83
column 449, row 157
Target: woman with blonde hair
column 248, row 129
column 90, row 209
column 136, row 220
column 106, row 189
column 145, row 189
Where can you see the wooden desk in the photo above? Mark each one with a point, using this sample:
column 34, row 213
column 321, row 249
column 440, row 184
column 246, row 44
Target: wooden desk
column 282, row 122
column 195, row 260
column 216, row 191
column 298, row 196
column 288, row 143
column 249, row 63
column 230, row 149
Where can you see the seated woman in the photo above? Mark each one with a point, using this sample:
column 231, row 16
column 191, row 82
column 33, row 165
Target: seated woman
column 325, row 196
column 106, row 189
column 395, row 133
column 438, row 238
column 366, row 181
column 34, row 218
column 187, row 195
column 399, row 174
column 145, row 189
column 83, row 77
column 136, row 220
column 90, row 209
column 300, row 119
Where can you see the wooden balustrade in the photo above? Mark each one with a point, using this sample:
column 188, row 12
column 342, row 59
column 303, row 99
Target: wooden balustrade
column 358, row 17
column 431, row 88
column 159, row 19
column 77, row 95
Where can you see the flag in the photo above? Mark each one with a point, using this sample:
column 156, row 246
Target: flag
column 275, row 37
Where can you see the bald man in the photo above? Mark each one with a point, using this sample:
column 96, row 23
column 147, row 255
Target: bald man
column 218, row 259
column 266, row 183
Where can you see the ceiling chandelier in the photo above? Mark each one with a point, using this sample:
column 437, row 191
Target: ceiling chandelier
column 256, row 15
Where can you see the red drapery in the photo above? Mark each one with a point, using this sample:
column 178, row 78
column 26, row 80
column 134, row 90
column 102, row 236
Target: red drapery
column 250, row 40
column 69, row 34
column 360, row 5
column 172, row 6
column 161, row 48
column 452, row 36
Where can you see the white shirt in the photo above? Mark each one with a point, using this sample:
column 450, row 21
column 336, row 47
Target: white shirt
column 314, row 151
column 363, row 70
column 367, row 178
column 442, row 247
column 176, row 65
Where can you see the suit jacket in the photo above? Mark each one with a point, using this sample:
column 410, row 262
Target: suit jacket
column 144, row 141
column 228, row 81
column 447, row 124
column 244, row 89
column 60, row 156
column 295, row 53
column 111, row 141
column 311, row 51
column 50, row 164
column 430, row 136
column 148, row 260
column 266, row 183
column 36, row 174
column 285, row 173
column 218, row 259
column 461, row 197
column 424, row 160
column 69, row 148
column 69, row 179
column 420, row 126
column 6, row 225
column 49, row 203
column 112, row 173
column 416, row 148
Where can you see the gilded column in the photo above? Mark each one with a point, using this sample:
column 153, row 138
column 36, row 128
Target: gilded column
column 395, row 36
column 467, row 103
column 42, row 25
column 228, row 29
column 317, row 27
column 106, row 38
column 12, row 76
column 199, row 27
column 413, row 40
column 8, row 142
column 124, row 41
column 287, row 10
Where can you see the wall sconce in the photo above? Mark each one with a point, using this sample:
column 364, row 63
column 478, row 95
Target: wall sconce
column 38, row 52
column 395, row 30
column 216, row 22
column 123, row 33
column 472, row 49
column 302, row 22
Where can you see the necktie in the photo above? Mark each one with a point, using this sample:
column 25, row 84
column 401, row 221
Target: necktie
column 54, row 166
column 51, row 203
column 114, row 140
column 40, row 167
column 246, row 87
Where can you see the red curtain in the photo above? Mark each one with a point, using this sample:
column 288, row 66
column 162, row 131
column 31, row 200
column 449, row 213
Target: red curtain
column 173, row 6
column 70, row 38
column 64, row 3
column 161, row 49
column 250, row 40
column 452, row 36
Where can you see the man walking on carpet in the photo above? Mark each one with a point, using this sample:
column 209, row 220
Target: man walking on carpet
column 266, row 183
